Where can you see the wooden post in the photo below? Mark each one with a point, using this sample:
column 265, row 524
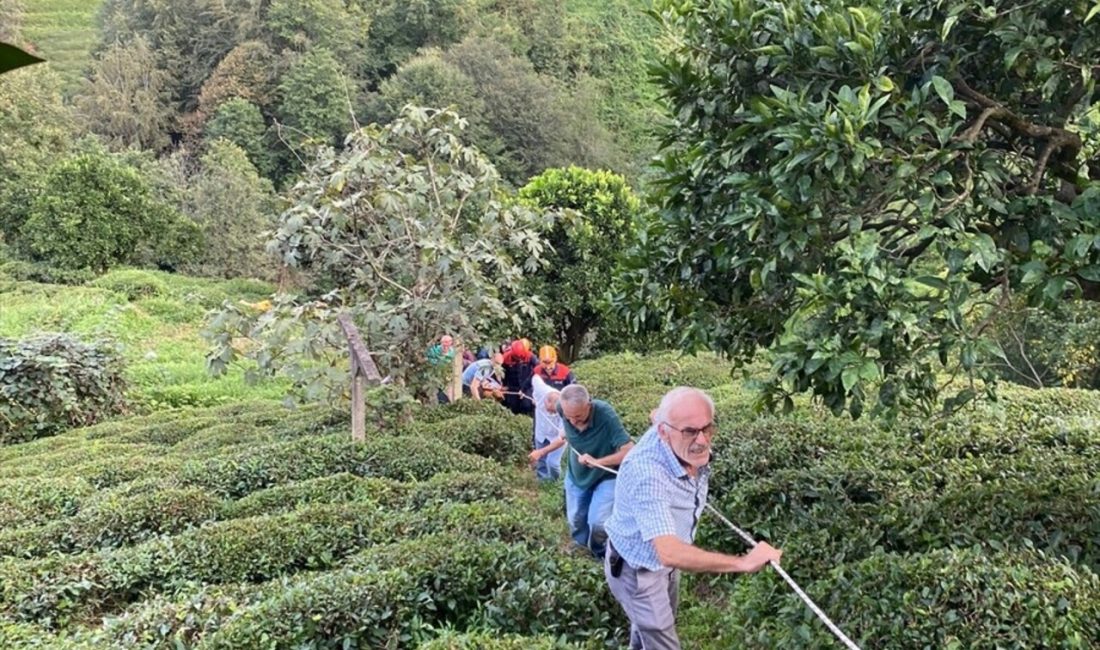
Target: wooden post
column 456, row 375
column 362, row 369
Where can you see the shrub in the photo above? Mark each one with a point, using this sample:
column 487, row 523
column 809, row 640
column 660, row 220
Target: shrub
column 493, row 641
column 439, row 580
column 58, row 591
column 181, row 622
column 114, row 521
column 55, row 592
column 27, row 271
column 460, row 409
column 456, row 487
column 95, row 212
column 132, row 283
column 337, row 488
column 50, row 382
column 280, row 463
column 944, row 599
column 28, row 502
column 506, row 439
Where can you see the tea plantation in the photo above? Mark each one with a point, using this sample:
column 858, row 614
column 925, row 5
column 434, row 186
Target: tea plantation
column 248, row 525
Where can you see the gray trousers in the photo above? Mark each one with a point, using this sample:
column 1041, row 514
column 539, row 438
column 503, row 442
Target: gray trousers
column 650, row 599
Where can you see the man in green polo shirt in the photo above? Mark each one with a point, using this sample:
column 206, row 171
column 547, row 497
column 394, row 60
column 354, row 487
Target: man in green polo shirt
column 593, row 429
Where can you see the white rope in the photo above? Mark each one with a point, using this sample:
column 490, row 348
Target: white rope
column 790, row 581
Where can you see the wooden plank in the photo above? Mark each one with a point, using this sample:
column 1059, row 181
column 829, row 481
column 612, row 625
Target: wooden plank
column 456, row 376
column 358, row 407
column 366, row 363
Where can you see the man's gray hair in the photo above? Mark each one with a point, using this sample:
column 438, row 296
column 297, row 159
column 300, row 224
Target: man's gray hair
column 675, row 395
column 575, row 395
column 550, row 393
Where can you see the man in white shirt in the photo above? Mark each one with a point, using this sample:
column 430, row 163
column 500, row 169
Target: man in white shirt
column 547, row 429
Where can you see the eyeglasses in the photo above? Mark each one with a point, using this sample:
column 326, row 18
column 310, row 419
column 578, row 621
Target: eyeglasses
column 691, row 433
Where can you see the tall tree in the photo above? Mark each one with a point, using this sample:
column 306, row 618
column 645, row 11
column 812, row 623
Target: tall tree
column 94, row 211
column 235, row 208
column 36, row 129
column 315, row 99
column 858, row 186
column 407, row 227
column 399, row 28
column 241, row 122
column 189, row 37
column 596, row 213
column 126, row 98
column 249, row 72
column 429, row 80
column 539, row 124
column 334, row 25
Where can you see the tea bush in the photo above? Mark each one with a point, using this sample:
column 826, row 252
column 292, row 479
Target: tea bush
column 133, row 284
column 439, row 581
column 51, row 382
column 943, row 599
column 245, row 472
column 251, row 525
column 112, row 522
column 28, row 502
column 493, row 641
column 503, row 438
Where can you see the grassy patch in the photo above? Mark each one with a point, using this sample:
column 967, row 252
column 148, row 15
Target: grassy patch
column 156, row 317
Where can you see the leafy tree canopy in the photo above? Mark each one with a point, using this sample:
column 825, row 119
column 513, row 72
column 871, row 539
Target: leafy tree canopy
column 597, row 212
column 407, row 227
column 856, row 187
column 94, row 212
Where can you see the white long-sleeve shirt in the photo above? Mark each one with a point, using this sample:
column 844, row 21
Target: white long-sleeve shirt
column 547, row 425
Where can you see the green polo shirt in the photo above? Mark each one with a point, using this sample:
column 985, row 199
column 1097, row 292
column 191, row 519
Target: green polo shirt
column 603, row 437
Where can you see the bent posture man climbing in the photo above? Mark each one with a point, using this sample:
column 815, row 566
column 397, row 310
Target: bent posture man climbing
column 659, row 496
column 593, row 429
column 547, row 431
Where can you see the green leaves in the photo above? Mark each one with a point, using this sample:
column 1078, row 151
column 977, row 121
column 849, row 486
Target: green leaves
column 407, row 229
column 861, row 194
column 52, row 382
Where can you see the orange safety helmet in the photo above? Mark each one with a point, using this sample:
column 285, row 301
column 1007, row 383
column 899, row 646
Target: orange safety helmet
column 526, row 344
column 548, row 353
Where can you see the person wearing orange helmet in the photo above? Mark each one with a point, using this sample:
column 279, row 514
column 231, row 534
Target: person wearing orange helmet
column 556, row 375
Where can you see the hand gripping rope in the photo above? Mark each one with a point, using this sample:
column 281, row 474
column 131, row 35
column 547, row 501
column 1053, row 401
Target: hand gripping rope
column 778, row 569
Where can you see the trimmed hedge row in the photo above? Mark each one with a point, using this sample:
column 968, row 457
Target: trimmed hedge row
column 492, row 641
column 962, row 598
column 438, row 581
column 503, row 438
column 113, row 522
column 58, row 591
column 446, row 487
column 842, row 510
column 281, row 463
column 27, row 502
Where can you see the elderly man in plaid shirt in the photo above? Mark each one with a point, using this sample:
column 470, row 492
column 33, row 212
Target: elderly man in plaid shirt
column 659, row 497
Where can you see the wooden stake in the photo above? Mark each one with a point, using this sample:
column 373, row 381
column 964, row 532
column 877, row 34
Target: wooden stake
column 362, row 369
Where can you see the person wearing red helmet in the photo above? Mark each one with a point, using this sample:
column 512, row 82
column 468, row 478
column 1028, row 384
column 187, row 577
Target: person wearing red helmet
column 519, row 368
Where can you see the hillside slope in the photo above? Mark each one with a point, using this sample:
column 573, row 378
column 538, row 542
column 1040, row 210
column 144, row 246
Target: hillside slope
column 248, row 525
column 64, row 33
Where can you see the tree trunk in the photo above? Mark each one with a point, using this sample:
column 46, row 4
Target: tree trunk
column 573, row 340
